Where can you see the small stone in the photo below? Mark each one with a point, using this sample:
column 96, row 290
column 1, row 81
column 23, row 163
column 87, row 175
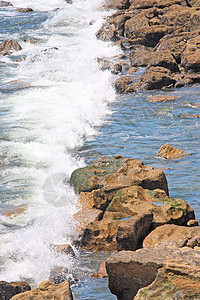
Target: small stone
column 192, row 223
column 102, row 273
column 24, row 10
column 162, row 98
column 169, row 152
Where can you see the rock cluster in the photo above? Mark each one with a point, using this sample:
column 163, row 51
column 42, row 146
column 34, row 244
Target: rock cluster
column 121, row 201
column 124, row 205
column 162, row 36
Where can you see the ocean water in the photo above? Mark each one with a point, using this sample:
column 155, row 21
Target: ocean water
column 51, row 102
column 58, row 112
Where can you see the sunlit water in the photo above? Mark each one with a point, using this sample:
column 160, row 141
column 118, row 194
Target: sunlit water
column 58, row 111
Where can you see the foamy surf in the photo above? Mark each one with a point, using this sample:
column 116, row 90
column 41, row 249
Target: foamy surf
column 63, row 103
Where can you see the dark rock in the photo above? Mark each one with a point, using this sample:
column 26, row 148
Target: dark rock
column 154, row 78
column 122, row 84
column 140, row 57
column 9, row 289
column 163, row 59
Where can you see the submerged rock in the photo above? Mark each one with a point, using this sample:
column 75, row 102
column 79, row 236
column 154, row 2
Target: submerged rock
column 162, row 98
column 48, row 290
column 9, row 289
column 24, row 10
column 5, row 3
column 129, row 271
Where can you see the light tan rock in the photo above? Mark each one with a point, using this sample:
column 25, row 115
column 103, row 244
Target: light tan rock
column 47, row 290
column 169, row 152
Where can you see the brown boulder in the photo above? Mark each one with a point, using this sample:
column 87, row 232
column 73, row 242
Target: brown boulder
column 122, row 84
column 8, row 46
column 47, row 290
column 140, row 57
column 154, row 78
column 9, row 289
column 87, row 216
column 190, row 59
column 110, row 174
column 116, row 232
column 131, row 70
column 129, row 271
column 162, row 98
column 135, row 200
column 107, row 33
column 173, row 236
column 169, row 152
column 163, row 59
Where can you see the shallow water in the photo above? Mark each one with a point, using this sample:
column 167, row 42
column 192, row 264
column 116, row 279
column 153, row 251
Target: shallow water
column 58, row 111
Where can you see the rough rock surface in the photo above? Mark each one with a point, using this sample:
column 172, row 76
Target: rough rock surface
column 101, row 273
column 173, row 236
column 160, row 34
column 162, row 98
column 5, row 3
column 9, row 289
column 121, row 200
column 8, row 46
column 169, row 152
column 129, row 271
column 24, row 10
column 47, row 290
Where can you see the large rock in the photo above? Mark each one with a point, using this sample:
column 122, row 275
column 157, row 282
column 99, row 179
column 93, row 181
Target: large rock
column 163, row 59
column 138, row 4
column 122, row 84
column 113, row 173
column 47, row 290
column 170, row 285
column 9, row 289
column 154, row 78
column 140, row 57
column 116, row 4
column 8, row 46
column 129, row 271
column 116, row 232
column 134, row 200
column 173, row 236
column 190, row 59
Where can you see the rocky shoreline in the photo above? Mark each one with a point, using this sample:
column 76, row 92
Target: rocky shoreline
column 124, row 205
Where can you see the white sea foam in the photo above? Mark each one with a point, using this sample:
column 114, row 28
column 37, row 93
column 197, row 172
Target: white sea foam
column 64, row 104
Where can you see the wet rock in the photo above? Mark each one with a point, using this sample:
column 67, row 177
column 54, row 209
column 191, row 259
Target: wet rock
column 9, row 289
column 107, row 33
column 114, row 232
column 30, row 41
column 115, row 68
column 162, row 98
column 192, row 223
column 47, row 290
column 169, row 152
column 135, row 200
column 116, row 4
column 24, row 10
column 129, row 271
column 5, row 3
column 122, row 84
column 131, row 71
column 163, row 59
column 173, row 236
column 87, row 216
column 102, row 272
column 69, row 1
column 63, row 249
column 140, row 57
column 8, row 46
column 154, row 78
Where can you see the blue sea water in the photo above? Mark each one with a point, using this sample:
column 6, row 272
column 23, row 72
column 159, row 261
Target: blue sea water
column 58, row 111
